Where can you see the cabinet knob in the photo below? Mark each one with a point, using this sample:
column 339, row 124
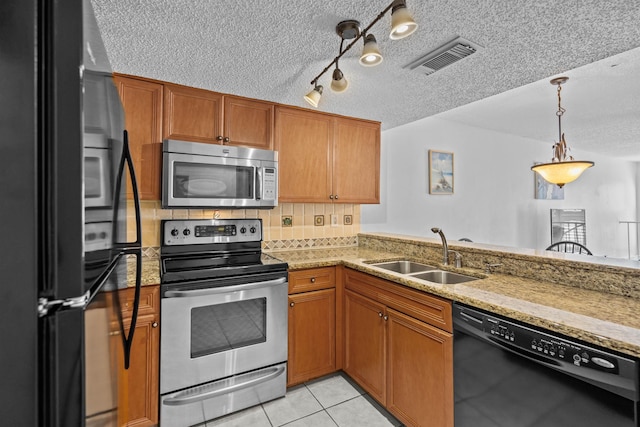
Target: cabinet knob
column 336, row 197
column 226, row 139
column 386, row 318
column 379, row 314
column 331, row 196
column 291, row 304
column 154, row 325
column 219, row 137
column 313, row 280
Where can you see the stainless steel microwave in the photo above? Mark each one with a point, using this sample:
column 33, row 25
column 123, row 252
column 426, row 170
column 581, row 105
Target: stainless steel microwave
column 199, row 175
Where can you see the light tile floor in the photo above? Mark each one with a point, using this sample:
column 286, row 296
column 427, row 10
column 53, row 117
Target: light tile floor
column 331, row 401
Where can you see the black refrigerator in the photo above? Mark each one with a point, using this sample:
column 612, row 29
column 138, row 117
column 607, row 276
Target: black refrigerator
column 67, row 244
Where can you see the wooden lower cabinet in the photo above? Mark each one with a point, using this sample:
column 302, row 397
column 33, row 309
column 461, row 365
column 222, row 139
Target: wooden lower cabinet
column 139, row 392
column 312, row 324
column 403, row 362
column 312, row 335
column 419, row 372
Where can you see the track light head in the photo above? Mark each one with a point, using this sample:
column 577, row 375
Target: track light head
column 402, row 23
column 338, row 82
column 314, row 96
column 370, row 53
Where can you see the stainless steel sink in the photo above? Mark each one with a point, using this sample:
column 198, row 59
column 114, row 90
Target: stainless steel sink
column 404, row 267
column 443, row 277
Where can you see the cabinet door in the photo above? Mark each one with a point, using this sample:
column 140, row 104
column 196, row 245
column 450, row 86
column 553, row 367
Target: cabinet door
column 302, row 142
column 142, row 102
column 192, row 114
column 312, row 335
column 139, row 388
column 356, row 161
column 248, row 123
column 419, row 372
column 365, row 343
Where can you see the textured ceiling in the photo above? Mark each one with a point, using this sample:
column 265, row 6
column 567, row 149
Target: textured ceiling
column 272, row 50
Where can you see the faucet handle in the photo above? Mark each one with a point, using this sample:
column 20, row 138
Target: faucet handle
column 488, row 266
column 457, row 258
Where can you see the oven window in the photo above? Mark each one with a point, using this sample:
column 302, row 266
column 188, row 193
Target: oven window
column 222, row 327
column 200, row 180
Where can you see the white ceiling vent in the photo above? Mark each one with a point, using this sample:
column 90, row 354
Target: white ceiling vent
column 445, row 55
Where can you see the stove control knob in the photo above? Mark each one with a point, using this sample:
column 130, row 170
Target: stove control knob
column 186, row 231
column 252, row 230
column 174, row 232
column 243, row 230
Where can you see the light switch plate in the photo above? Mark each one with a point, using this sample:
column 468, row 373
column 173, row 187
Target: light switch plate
column 334, row 220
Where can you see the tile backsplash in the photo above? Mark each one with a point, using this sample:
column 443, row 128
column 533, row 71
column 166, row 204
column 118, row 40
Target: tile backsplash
column 298, row 222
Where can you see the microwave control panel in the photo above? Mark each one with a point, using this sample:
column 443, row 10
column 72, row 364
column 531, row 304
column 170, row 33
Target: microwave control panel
column 269, row 184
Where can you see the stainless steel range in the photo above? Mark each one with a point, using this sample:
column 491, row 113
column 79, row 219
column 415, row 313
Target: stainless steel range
column 224, row 320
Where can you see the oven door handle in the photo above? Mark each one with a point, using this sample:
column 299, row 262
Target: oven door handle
column 210, row 391
column 224, row 289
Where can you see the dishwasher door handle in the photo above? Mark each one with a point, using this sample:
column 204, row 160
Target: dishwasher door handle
column 224, row 289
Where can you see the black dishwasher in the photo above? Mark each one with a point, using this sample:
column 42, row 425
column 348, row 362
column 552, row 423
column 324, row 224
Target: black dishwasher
column 509, row 374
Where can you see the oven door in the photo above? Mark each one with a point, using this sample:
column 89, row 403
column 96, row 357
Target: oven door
column 213, row 332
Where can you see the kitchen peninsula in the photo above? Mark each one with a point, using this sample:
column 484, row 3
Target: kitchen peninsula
column 547, row 290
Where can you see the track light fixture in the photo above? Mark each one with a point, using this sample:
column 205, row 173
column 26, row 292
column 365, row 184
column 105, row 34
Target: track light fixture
column 402, row 25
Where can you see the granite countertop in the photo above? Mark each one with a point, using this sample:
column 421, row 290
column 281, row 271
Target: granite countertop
column 150, row 272
column 605, row 319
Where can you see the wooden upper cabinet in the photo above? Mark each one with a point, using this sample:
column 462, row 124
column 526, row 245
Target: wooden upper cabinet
column 248, row 122
column 303, row 155
column 356, row 161
column 142, row 103
column 200, row 115
column 192, row 114
column 325, row 159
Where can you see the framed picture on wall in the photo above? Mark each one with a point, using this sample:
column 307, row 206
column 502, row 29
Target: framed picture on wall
column 440, row 172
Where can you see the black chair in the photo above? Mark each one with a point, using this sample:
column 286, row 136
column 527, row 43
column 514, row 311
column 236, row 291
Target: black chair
column 569, row 247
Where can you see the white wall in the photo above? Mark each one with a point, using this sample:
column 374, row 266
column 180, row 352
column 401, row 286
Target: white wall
column 493, row 200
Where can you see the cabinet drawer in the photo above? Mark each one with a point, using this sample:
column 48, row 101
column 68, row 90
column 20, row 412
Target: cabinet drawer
column 428, row 308
column 312, row 279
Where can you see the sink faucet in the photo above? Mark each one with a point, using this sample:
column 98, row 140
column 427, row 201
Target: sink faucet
column 445, row 247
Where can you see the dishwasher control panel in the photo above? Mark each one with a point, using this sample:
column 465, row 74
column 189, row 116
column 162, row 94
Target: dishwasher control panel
column 531, row 342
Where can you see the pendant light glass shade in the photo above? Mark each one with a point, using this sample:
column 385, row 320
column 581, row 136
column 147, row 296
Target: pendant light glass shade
column 402, row 23
column 561, row 173
column 339, row 83
column 314, row 96
column 370, row 53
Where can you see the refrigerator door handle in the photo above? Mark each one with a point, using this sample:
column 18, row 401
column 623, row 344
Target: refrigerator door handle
column 129, row 248
column 125, row 247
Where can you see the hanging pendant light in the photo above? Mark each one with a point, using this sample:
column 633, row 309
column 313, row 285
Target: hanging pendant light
column 562, row 169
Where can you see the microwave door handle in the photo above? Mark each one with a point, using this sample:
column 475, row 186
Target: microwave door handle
column 224, row 289
column 258, row 183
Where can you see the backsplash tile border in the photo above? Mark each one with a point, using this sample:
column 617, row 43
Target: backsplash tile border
column 310, row 243
column 153, row 252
